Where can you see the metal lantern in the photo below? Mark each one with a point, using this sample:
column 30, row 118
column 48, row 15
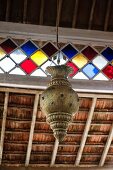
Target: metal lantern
column 59, row 101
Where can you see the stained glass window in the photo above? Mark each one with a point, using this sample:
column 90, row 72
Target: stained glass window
column 31, row 59
column 39, row 57
column 69, row 51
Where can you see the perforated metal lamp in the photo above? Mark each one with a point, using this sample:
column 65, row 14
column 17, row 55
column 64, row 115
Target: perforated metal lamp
column 59, row 101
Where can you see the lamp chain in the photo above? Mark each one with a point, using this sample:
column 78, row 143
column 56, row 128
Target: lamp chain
column 57, row 31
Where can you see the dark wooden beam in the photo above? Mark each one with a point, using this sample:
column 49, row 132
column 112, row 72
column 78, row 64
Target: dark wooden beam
column 59, row 8
column 56, row 168
column 41, row 13
column 25, row 11
column 75, row 14
column 91, row 14
column 107, row 15
column 8, row 10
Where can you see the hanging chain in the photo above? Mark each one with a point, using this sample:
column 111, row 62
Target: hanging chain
column 57, row 31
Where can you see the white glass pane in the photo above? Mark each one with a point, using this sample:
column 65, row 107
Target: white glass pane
column 39, row 73
column 18, row 56
column 62, row 61
column 100, row 76
column 17, row 71
column 99, row 62
column 80, row 75
column 7, row 64
column 48, row 63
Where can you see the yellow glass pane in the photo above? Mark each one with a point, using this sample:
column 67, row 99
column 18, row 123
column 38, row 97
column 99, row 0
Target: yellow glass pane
column 79, row 60
column 39, row 57
column 2, row 53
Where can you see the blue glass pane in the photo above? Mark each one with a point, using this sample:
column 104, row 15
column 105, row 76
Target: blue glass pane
column 90, row 70
column 69, row 51
column 29, row 48
column 108, row 53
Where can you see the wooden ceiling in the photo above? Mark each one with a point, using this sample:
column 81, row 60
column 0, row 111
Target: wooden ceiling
column 27, row 140
column 88, row 14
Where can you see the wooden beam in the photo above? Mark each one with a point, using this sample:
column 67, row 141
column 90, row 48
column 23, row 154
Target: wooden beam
column 36, row 101
column 3, row 125
column 85, row 133
column 7, row 10
column 106, row 148
column 48, row 33
column 107, row 15
column 55, row 168
column 75, row 14
column 91, row 14
column 41, row 12
column 55, row 149
column 25, row 11
column 59, row 8
column 40, row 83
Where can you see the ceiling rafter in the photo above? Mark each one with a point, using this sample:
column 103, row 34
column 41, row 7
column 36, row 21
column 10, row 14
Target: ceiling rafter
column 85, row 133
column 107, row 15
column 3, row 124
column 55, row 149
column 29, row 147
column 106, row 148
column 25, row 11
column 59, row 8
column 91, row 14
column 41, row 13
column 7, row 10
column 75, row 14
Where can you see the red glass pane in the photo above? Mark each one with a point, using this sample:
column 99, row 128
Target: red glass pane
column 108, row 71
column 89, row 52
column 8, row 45
column 28, row 66
column 75, row 68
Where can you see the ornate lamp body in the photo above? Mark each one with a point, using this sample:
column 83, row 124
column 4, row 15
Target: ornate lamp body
column 59, row 101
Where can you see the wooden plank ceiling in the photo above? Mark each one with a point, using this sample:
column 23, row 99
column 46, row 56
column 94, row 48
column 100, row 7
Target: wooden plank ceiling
column 27, row 140
column 89, row 14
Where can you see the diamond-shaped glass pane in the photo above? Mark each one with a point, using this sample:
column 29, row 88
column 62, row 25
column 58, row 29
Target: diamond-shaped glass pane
column 108, row 53
column 99, row 62
column 100, row 76
column 75, row 68
column 18, row 56
column 89, row 52
column 63, row 59
column 7, row 64
column 90, row 70
column 39, row 57
column 17, row 71
column 108, row 71
column 2, row 53
column 69, row 51
column 49, row 49
column 28, row 66
column 38, row 73
column 8, row 45
column 79, row 60
column 45, row 65
column 29, row 48
column 80, row 75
